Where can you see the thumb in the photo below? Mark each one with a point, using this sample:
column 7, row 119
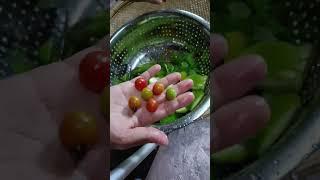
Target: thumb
column 143, row 135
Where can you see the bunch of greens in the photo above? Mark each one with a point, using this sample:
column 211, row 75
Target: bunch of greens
column 185, row 64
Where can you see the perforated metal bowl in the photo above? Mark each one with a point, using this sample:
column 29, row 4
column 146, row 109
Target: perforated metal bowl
column 163, row 31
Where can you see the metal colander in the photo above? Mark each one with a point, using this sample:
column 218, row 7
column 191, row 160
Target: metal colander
column 158, row 34
column 26, row 30
column 303, row 137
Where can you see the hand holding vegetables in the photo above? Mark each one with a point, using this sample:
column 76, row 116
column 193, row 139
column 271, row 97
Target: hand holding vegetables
column 236, row 117
column 132, row 128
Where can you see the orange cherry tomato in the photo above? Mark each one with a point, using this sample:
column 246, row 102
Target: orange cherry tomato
column 158, row 88
column 78, row 129
column 134, row 103
column 140, row 84
column 152, row 105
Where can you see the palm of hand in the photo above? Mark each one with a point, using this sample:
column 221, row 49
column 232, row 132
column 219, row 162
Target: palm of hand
column 129, row 128
column 30, row 121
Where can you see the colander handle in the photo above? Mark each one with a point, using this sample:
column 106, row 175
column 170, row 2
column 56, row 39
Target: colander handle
column 127, row 166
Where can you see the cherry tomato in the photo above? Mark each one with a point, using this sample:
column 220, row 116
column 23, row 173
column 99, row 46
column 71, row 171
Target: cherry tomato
column 158, row 88
column 94, row 71
column 171, row 94
column 78, row 129
column 146, row 94
column 134, row 103
column 140, row 84
column 152, row 105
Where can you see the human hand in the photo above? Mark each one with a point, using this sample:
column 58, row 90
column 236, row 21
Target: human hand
column 32, row 107
column 129, row 129
column 237, row 115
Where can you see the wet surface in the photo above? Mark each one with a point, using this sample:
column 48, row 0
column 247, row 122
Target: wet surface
column 186, row 157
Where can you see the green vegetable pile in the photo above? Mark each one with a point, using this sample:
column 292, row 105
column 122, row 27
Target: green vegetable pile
column 185, row 64
column 254, row 27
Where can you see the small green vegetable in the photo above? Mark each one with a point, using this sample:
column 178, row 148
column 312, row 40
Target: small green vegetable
column 234, row 154
column 183, row 75
column 237, row 42
column 182, row 110
column 198, row 97
column 199, row 81
column 146, row 94
column 171, row 94
column 168, row 120
column 153, row 80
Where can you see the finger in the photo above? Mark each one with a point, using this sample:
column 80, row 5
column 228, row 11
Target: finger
column 238, row 121
column 172, row 78
column 180, row 88
column 235, row 79
column 144, row 117
column 149, row 73
column 218, row 49
column 142, row 135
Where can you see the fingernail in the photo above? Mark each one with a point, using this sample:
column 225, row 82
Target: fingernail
column 190, row 81
column 178, row 74
column 164, row 138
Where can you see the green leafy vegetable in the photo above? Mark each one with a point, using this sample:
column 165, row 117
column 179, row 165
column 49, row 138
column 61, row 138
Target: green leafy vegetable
column 199, row 81
column 168, row 120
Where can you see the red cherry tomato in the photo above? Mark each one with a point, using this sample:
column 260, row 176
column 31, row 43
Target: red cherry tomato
column 94, row 71
column 77, row 129
column 152, row 105
column 140, row 84
column 158, row 88
column 134, row 103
